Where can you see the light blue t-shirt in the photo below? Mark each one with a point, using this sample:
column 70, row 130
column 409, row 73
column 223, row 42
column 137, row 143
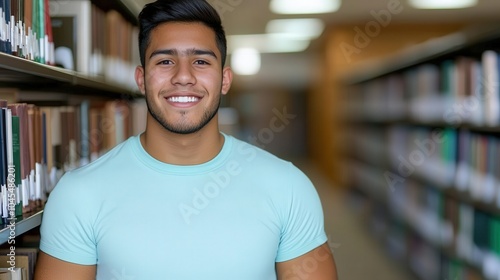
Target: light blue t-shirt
column 135, row 217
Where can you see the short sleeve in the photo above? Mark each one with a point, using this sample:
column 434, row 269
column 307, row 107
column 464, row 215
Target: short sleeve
column 66, row 228
column 303, row 228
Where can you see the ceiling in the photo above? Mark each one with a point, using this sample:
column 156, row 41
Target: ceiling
column 251, row 16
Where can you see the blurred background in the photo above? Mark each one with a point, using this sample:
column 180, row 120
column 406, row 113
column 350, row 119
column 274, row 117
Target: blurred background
column 352, row 92
column 391, row 107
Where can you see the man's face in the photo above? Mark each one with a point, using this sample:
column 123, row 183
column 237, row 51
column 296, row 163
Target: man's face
column 183, row 77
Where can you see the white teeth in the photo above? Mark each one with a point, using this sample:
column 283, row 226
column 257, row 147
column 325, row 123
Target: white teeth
column 183, row 99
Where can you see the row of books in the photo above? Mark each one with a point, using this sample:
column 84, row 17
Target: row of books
column 75, row 35
column 422, row 257
column 461, row 159
column 461, row 90
column 467, row 234
column 455, row 159
column 18, row 263
column 39, row 143
column 429, row 263
column 102, row 43
column 449, row 229
column 25, row 30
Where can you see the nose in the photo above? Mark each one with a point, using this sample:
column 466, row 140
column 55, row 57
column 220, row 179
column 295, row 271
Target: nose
column 184, row 74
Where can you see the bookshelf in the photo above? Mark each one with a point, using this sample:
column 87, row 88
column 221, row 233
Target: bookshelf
column 71, row 93
column 16, row 71
column 422, row 139
column 23, row 224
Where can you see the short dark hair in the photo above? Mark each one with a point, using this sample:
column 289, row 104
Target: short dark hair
column 163, row 11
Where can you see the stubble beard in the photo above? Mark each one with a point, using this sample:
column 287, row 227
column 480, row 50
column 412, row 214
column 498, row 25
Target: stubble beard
column 182, row 127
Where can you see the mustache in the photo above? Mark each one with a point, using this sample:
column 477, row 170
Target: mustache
column 178, row 90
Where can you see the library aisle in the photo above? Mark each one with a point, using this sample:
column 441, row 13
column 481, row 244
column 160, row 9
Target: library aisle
column 357, row 254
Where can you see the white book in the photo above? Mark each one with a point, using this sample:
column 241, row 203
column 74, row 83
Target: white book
column 8, row 133
column 81, row 11
column 5, row 212
column 475, row 104
column 491, row 90
column 15, row 273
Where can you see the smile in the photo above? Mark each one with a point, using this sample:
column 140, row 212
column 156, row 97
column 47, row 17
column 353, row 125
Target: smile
column 183, row 99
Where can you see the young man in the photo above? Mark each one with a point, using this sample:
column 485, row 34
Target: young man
column 182, row 200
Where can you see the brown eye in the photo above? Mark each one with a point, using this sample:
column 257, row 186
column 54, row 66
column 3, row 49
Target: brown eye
column 201, row 62
column 165, row 62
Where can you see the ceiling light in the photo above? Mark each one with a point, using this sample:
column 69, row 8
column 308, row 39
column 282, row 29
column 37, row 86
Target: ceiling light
column 443, row 4
column 305, row 28
column 304, row 6
column 245, row 61
column 267, row 43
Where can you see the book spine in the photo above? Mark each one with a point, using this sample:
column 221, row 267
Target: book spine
column 8, row 27
column 16, row 149
column 491, row 90
column 3, row 160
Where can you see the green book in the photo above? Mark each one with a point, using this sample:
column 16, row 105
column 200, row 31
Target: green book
column 494, row 235
column 447, row 79
column 16, row 149
column 482, row 230
column 39, row 28
column 449, row 154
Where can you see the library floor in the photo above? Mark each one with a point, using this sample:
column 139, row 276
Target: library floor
column 358, row 256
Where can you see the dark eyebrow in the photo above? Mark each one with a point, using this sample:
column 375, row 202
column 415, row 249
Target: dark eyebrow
column 186, row 52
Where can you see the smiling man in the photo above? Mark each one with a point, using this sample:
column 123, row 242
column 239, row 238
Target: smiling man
column 183, row 200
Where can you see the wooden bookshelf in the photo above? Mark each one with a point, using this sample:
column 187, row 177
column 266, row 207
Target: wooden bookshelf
column 468, row 41
column 393, row 106
column 55, row 87
column 16, row 71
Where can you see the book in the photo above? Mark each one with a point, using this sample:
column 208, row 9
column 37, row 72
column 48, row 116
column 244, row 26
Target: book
column 488, row 169
column 8, row 27
column 65, row 138
column 20, row 117
column 28, row 30
column 3, row 30
column 65, row 47
column 99, row 35
column 463, row 160
column 13, row 273
column 475, row 104
column 25, row 155
column 16, row 149
column 38, row 27
column 72, row 128
column 74, row 17
column 14, row 27
column 84, row 133
column 32, row 156
column 96, row 134
column 491, row 90
column 30, row 253
column 48, row 38
column 11, row 169
column 22, row 266
column 3, row 158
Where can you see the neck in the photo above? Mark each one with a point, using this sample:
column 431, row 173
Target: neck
column 182, row 149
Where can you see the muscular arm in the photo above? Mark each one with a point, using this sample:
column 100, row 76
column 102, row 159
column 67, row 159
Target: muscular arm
column 50, row 268
column 317, row 264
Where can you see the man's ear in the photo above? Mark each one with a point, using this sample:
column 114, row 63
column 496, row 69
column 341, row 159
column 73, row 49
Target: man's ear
column 139, row 79
column 227, row 79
